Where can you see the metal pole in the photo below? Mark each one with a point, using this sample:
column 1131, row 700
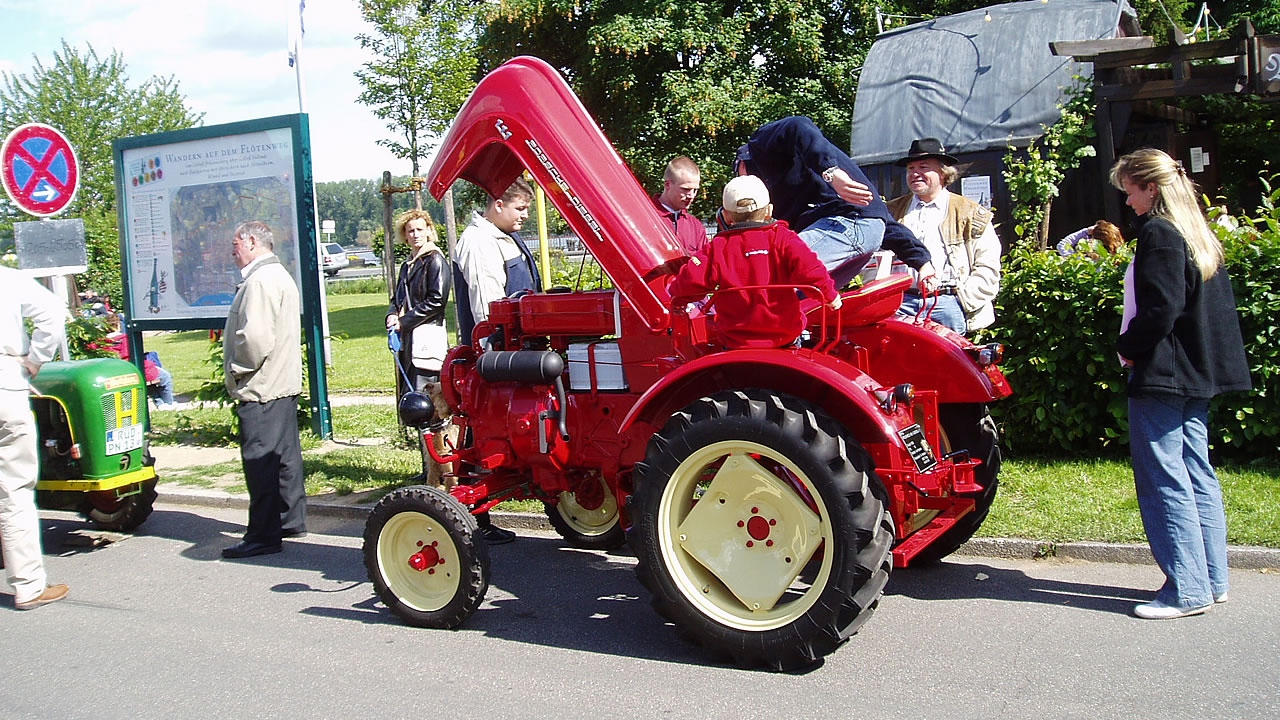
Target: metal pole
column 388, row 239
column 544, row 253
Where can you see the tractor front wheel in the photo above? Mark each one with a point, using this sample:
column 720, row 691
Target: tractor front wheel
column 594, row 525
column 121, row 514
column 425, row 558
column 760, row 529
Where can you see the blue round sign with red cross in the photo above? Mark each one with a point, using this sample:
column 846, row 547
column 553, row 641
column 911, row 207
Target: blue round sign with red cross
column 39, row 169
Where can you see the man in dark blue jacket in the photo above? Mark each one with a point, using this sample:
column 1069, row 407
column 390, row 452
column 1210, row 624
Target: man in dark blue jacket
column 826, row 198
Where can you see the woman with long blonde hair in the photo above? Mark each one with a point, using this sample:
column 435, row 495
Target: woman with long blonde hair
column 1181, row 338
column 418, row 305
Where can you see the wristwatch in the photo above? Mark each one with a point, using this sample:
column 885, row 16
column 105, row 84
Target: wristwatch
column 829, row 174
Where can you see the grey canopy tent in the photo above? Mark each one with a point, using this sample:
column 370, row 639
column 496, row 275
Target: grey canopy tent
column 975, row 83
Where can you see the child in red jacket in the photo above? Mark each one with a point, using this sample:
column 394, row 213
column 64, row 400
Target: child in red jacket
column 754, row 250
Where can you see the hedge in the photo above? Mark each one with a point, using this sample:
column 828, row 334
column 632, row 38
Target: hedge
column 1058, row 318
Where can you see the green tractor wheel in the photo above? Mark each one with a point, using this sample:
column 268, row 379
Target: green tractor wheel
column 107, row 511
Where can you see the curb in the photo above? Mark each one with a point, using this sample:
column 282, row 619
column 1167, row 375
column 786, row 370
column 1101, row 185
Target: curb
column 1242, row 557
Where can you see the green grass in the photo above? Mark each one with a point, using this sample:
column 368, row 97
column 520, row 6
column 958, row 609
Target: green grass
column 214, row 427
column 221, row 475
column 357, row 328
column 1066, row 501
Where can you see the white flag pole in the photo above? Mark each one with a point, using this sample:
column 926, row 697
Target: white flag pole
column 297, row 31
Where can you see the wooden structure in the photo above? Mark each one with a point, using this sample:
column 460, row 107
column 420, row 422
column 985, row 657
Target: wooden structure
column 1131, row 75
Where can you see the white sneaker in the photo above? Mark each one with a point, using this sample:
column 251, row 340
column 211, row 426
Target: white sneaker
column 1219, row 599
column 1156, row 610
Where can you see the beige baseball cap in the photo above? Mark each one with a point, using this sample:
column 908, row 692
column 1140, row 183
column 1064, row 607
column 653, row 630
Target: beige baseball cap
column 745, row 193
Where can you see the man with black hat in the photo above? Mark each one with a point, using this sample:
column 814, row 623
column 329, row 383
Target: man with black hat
column 824, row 196
column 958, row 232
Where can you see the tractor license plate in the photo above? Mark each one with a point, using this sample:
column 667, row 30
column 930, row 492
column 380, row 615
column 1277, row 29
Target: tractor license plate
column 124, row 439
column 918, row 446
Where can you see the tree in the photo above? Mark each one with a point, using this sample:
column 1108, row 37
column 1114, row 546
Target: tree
column 356, row 205
column 419, row 49
column 92, row 102
column 695, row 78
column 424, row 70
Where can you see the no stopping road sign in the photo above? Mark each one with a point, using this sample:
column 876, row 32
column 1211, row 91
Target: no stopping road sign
column 39, row 169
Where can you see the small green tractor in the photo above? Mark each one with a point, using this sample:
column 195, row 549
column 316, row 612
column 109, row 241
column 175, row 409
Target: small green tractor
column 94, row 455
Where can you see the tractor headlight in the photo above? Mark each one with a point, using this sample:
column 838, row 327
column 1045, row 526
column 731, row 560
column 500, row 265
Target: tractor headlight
column 989, row 354
column 890, row 397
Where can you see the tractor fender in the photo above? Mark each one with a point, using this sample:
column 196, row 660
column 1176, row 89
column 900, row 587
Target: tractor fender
column 930, row 357
column 837, row 387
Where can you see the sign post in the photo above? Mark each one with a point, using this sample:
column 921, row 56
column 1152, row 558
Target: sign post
column 40, row 173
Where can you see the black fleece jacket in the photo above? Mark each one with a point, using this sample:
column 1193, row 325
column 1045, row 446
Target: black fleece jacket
column 1185, row 336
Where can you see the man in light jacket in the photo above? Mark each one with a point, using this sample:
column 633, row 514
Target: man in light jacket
column 20, row 359
column 963, row 247
column 262, row 362
column 490, row 262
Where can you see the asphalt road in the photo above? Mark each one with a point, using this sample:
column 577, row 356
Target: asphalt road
column 158, row 626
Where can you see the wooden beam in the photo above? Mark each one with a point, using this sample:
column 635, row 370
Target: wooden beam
column 1089, row 48
column 1167, row 112
column 1170, row 88
column 1106, row 147
column 1168, row 54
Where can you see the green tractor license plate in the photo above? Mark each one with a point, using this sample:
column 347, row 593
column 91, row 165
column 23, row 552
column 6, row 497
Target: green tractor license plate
column 124, row 439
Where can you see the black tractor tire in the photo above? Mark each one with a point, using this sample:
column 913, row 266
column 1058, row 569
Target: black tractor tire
column 967, row 426
column 593, row 529
column 724, row 478
column 425, row 558
column 122, row 514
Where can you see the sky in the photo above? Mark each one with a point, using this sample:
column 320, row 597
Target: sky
column 230, row 58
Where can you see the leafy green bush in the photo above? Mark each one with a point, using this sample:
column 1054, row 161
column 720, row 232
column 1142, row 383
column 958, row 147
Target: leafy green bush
column 1059, row 318
column 87, row 337
column 375, row 284
column 1249, row 423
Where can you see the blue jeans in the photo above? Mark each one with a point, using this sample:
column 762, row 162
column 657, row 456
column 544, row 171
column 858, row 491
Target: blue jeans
column 1179, row 497
column 844, row 245
column 946, row 311
column 163, row 387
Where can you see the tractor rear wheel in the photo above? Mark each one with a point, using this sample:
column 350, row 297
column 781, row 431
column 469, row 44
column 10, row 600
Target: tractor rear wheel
column 425, row 558
column 760, row 529
column 594, row 528
column 968, row 427
column 108, row 512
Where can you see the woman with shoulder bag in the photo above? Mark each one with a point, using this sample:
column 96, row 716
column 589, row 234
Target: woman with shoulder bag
column 417, row 307
column 417, row 310
column 1181, row 340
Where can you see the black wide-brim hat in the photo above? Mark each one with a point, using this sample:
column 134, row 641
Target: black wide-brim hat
column 927, row 148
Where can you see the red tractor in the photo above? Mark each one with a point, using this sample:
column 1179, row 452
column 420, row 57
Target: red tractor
column 767, row 493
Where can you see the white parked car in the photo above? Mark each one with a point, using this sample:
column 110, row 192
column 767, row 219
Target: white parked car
column 332, row 258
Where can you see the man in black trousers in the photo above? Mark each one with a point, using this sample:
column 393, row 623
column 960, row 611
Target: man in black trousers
column 262, row 362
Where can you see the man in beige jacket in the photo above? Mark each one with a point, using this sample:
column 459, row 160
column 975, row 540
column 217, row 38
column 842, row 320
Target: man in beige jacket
column 262, row 363
column 958, row 233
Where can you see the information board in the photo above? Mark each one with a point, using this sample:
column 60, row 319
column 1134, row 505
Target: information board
column 180, row 196
column 182, row 203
